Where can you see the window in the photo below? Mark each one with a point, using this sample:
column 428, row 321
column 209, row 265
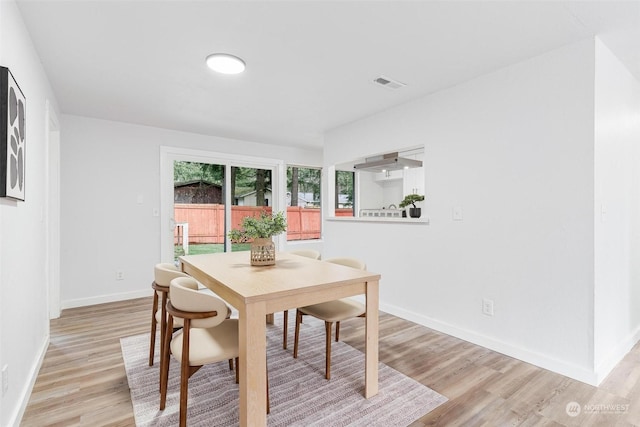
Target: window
column 344, row 193
column 303, row 203
column 375, row 187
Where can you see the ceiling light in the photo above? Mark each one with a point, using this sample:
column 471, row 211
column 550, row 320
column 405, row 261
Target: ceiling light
column 225, row 63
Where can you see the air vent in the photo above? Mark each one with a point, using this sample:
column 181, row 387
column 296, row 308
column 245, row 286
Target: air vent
column 388, row 83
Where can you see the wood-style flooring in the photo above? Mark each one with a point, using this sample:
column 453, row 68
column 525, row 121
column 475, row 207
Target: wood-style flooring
column 82, row 381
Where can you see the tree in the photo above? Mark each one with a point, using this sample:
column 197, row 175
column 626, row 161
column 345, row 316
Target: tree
column 294, row 186
column 192, row 171
column 307, row 180
column 260, row 187
column 344, row 185
column 242, row 179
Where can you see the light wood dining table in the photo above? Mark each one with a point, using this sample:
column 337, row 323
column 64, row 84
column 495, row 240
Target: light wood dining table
column 256, row 291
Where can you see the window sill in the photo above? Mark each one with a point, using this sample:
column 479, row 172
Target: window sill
column 423, row 220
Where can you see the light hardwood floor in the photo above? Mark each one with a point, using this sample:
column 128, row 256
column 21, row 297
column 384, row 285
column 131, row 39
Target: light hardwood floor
column 82, row 380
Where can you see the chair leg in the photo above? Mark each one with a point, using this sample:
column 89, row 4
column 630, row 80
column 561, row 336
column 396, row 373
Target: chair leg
column 328, row 326
column 184, row 373
column 163, row 323
column 152, row 344
column 231, row 364
column 285, row 328
column 165, row 360
column 337, row 331
column 297, row 333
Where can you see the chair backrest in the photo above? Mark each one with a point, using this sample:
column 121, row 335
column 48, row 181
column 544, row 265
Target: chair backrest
column 187, row 298
column 349, row 262
column 309, row 253
column 165, row 272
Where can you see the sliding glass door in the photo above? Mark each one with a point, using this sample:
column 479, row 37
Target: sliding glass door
column 205, row 194
column 198, row 207
column 252, row 194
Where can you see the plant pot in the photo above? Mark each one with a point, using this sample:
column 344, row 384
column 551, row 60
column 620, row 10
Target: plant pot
column 263, row 252
column 415, row 212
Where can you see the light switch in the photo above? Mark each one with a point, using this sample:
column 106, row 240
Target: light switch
column 140, row 199
column 457, row 213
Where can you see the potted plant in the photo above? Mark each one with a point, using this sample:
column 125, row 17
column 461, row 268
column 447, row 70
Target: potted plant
column 411, row 199
column 260, row 231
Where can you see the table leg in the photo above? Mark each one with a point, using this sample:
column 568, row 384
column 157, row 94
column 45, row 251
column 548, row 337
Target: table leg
column 253, row 367
column 371, row 343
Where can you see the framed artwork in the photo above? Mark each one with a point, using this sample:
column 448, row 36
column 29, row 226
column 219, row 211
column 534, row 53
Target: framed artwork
column 12, row 137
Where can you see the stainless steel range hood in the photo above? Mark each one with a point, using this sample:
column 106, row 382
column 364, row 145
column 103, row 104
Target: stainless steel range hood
column 387, row 162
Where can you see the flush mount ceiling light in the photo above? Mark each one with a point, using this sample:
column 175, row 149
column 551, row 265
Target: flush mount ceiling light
column 225, row 63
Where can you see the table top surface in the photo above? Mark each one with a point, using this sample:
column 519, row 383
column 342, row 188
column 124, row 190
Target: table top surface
column 291, row 274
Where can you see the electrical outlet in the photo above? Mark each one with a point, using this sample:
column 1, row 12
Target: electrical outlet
column 487, row 307
column 5, row 379
column 119, row 275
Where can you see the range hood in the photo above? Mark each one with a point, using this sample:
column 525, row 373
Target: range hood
column 387, row 162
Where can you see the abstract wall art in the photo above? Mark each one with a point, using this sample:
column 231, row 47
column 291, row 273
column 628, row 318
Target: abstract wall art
column 12, row 137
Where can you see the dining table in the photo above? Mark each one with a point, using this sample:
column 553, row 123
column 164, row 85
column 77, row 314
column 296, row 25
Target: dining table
column 257, row 291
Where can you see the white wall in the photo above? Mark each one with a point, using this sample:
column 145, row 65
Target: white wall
column 514, row 150
column 616, row 210
column 106, row 167
column 23, row 280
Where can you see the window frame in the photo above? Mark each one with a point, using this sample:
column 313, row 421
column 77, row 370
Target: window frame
column 170, row 154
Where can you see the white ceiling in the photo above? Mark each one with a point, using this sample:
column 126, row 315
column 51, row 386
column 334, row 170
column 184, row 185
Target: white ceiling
column 310, row 64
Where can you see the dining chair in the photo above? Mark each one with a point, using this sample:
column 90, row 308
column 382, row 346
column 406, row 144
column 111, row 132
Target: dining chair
column 163, row 274
column 331, row 312
column 207, row 337
column 308, row 253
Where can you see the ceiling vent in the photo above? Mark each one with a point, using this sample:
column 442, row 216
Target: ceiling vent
column 388, row 83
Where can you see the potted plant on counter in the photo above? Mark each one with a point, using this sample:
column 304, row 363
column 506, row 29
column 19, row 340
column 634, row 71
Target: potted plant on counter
column 260, row 231
column 411, row 199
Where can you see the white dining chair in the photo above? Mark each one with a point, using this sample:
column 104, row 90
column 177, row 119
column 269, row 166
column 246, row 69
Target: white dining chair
column 208, row 336
column 331, row 312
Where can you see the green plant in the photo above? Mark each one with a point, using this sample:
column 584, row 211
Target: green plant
column 264, row 226
column 411, row 199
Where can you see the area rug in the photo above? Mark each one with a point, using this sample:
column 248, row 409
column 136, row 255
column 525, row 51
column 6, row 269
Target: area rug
column 299, row 394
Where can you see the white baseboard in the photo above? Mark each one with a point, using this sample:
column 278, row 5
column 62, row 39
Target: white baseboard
column 101, row 299
column 616, row 355
column 25, row 393
column 561, row 367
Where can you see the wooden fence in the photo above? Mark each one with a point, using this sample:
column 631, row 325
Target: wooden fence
column 206, row 221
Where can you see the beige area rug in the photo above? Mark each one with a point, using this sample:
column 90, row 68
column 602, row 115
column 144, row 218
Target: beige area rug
column 300, row 396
